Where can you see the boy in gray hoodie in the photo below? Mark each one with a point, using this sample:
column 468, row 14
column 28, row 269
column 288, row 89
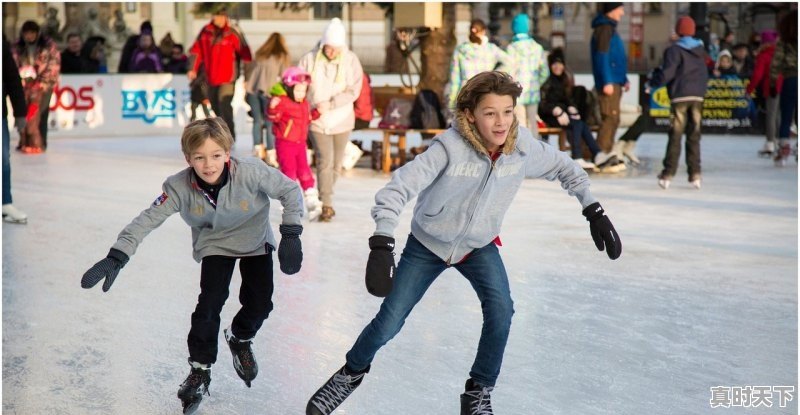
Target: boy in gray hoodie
column 225, row 200
column 464, row 183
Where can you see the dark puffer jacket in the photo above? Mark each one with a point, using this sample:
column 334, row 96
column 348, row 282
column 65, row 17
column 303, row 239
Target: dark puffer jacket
column 683, row 71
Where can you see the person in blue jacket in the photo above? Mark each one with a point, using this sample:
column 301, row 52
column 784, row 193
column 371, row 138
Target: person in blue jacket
column 610, row 70
column 463, row 184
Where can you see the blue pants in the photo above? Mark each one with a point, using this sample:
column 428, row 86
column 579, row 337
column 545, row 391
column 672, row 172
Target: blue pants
column 258, row 107
column 579, row 132
column 6, row 164
column 416, row 271
column 788, row 104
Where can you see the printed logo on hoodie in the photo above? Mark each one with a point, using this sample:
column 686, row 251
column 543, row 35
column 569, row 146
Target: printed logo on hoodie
column 466, row 169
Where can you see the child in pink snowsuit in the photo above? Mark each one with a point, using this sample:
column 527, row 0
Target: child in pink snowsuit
column 291, row 115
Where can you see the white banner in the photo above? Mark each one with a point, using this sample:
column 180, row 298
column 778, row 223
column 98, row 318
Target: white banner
column 104, row 105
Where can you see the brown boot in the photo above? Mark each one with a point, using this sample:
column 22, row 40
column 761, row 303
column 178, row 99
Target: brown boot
column 327, row 214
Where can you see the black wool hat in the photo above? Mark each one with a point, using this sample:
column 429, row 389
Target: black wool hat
column 556, row 55
column 607, row 7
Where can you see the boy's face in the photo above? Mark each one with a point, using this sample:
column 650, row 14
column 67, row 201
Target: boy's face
column 493, row 118
column 208, row 161
column 299, row 91
column 725, row 62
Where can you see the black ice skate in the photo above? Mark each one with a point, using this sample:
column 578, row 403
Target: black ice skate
column 334, row 391
column 476, row 399
column 243, row 360
column 192, row 389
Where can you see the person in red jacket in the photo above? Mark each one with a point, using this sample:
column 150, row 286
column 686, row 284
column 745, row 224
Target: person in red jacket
column 769, row 91
column 291, row 115
column 365, row 104
column 218, row 49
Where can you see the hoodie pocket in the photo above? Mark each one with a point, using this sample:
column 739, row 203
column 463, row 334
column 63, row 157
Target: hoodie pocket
column 439, row 224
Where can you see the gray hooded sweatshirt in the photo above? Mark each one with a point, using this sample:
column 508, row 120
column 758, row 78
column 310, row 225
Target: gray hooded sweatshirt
column 462, row 195
column 238, row 227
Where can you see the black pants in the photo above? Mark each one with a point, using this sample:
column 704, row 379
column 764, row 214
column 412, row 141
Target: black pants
column 255, row 296
column 638, row 127
column 221, row 97
column 684, row 117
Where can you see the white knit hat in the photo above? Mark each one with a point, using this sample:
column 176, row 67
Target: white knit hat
column 334, row 34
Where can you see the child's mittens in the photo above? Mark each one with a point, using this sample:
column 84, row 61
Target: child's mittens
column 274, row 102
column 107, row 268
column 290, row 250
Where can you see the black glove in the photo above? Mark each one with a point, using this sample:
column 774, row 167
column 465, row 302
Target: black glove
column 290, row 250
column 107, row 268
column 380, row 265
column 603, row 231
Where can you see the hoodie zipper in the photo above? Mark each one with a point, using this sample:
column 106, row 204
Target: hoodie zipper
column 473, row 208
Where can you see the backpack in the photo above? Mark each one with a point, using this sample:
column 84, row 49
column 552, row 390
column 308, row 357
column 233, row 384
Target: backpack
column 587, row 105
column 427, row 112
column 396, row 115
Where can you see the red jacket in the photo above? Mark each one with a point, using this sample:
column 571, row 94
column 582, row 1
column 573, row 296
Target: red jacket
column 291, row 119
column 364, row 103
column 761, row 72
column 219, row 50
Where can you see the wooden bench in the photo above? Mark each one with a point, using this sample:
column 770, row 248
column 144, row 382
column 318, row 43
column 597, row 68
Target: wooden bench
column 563, row 143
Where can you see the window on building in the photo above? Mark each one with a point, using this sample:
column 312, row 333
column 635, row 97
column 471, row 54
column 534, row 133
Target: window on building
column 242, row 11
column 327, row 10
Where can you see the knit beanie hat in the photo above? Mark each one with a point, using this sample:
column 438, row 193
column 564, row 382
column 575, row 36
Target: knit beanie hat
column 556, row 55
column 334, row 34
column 520, row 24
column 769, row 36
column 685, row 26
column 607, row 7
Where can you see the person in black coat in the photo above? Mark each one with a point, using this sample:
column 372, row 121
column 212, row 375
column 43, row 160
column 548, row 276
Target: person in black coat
column 12, row 88
column 557, row 109
column 130, row 46
column 71, row 59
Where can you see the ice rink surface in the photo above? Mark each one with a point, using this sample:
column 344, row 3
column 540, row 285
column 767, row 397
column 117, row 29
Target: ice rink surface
column 704, row 295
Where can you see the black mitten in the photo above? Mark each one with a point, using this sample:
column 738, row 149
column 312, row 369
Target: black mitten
column 603, row 231
column 107, row 268
column 290, row 250
column 380, row 265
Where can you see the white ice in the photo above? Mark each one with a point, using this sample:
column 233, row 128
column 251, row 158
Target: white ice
column 705, row 294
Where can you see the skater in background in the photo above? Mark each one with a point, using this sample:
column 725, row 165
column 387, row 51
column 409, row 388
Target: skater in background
column 684, row 73
column 290, row 115
column 198, row 93
column 12, row 88
column 337, row 78
column 784, row 66
column 39, row 63
column 530, row 69
column 217, row 51
column 271, row 59
column 763, row 85
column 485, row 147
column 557, row 109
column 226, row 201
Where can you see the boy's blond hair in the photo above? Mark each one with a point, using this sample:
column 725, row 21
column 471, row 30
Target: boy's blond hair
column 196, row 133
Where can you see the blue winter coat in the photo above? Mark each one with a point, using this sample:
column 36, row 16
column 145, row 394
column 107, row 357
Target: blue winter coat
column 609, row 61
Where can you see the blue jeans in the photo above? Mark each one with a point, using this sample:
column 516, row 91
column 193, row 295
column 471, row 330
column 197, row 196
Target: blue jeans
column 6, row 164
column 788, row 105
column 416, row 271
column 579, row 132
column 258, row 107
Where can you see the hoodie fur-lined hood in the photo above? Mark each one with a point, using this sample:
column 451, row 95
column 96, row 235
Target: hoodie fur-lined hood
column 470, row 134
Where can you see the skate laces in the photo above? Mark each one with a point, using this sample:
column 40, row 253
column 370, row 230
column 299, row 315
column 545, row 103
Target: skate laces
column 243, row 352
column 198, row 376
column 337, row 390
column 481, row 403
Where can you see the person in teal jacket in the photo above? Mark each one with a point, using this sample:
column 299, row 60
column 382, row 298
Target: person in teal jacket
column 463, row 184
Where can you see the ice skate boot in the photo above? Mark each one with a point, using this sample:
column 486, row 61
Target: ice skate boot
column 260, row 151
column 586, row 165
column 313, row 204
column 768, row 150
column 194, row 387
column 14, row 215
column 664, row 181
column 629, row 151
column 783, row 153
column 243, row 360
column 334, row 391
column 695, row 180
column 476, row 399
column 327, row 214
column 272, row 158
column 603, row 159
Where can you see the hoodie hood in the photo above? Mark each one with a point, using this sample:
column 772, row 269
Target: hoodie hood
column 602, row 19
column 471, row 135
column 689, row 43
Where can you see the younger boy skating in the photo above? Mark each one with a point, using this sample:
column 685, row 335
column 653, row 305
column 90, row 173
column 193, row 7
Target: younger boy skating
column 464, row 183
column 291, row 116
column 226, row 201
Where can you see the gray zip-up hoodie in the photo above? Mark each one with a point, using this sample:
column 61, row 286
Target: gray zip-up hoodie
column 462, row 196
column 239, row 226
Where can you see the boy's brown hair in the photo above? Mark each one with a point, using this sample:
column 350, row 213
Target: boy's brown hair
column 490, row 82
column 196, row 133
